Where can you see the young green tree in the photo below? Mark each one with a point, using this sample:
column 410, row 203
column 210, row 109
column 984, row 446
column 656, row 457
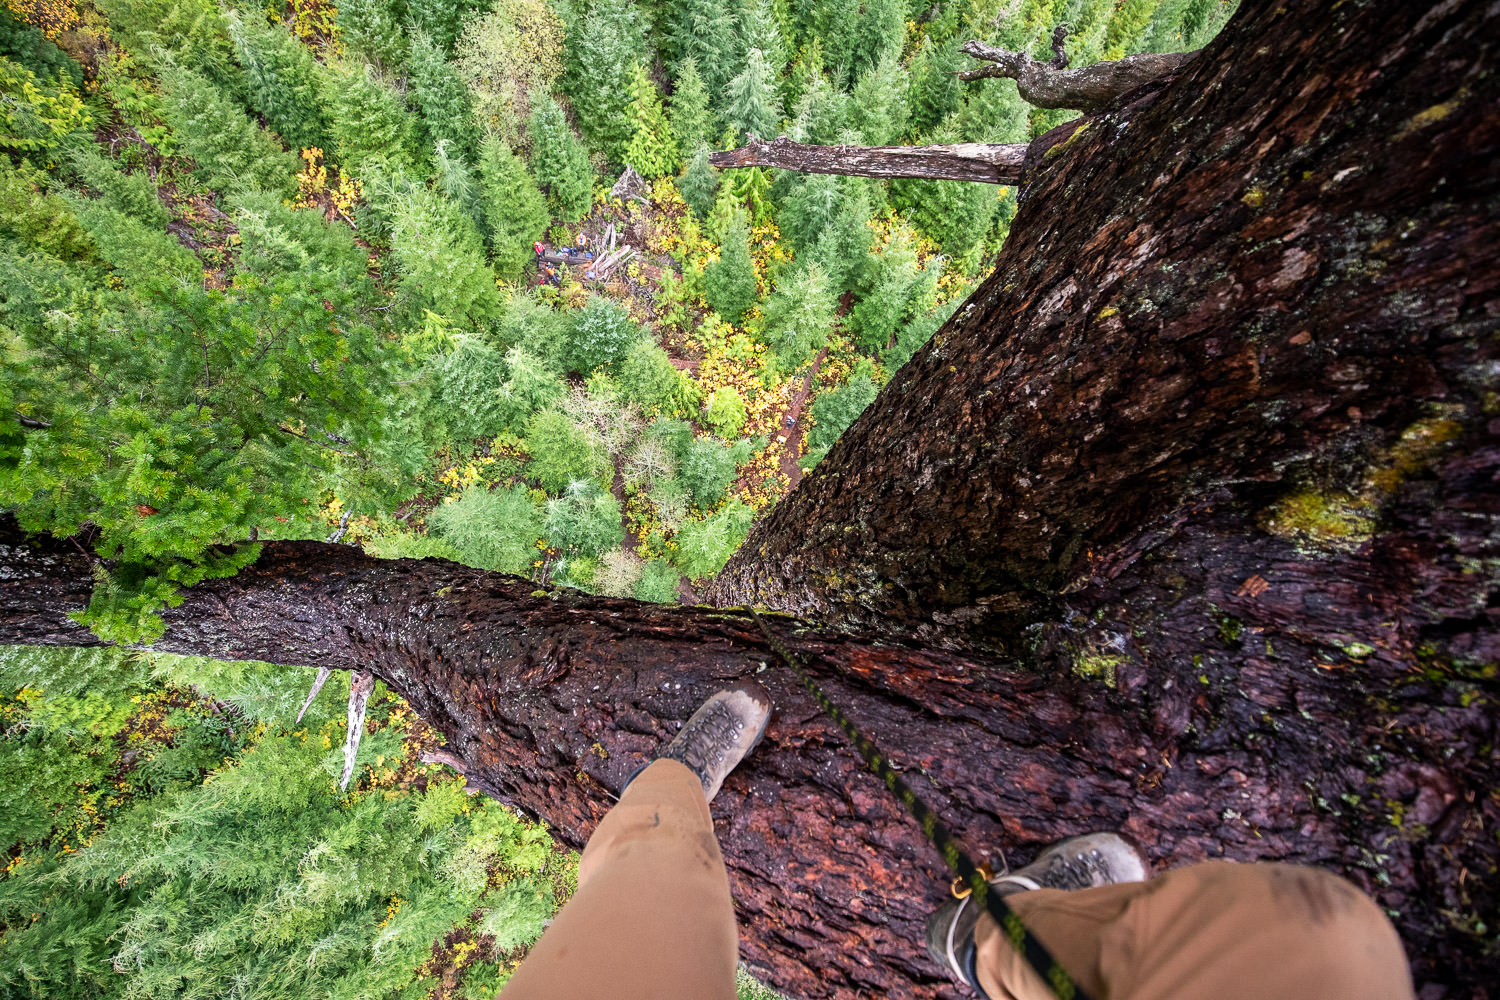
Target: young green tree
column 934, row 91
column 374, row 30
column 280, row 80
column 729, row 281
column 441, row 20
column 893, row 291
column 442, row 97
column 131, row 193
column 703, row 547
column 605, row 45
column 691, row 119
column 752, row 106
column 599, row 335
column 441, row 260
column 699, row 183
column 140, row 254
column 652, row 149
column 703, row 31
column 232, row 154
column 878, row 103
column 650, row 381
column 758, row 30
column 559, row 162
column 834, row 411
column 514, row 209
column 658, row 582
column 368, row 124
column 706, row 467
column 491, row 529
column 585, row 521
column 468, row 380
column 724, row 412
column 563, row 452
column 798, row 318
column 533, row 324
column 822, row 112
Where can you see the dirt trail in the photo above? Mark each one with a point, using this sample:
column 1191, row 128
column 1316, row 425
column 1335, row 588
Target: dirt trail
column 793, row 447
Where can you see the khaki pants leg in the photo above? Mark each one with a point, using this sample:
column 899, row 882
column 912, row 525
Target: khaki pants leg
column 652, row 916
column 1220, row 930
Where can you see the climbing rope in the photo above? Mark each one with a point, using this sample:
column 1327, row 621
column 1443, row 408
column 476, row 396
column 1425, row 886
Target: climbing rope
column 972, row 875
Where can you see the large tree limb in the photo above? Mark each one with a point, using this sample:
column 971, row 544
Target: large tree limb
column 966, row 161
column 550, row 699
column 1088, row 88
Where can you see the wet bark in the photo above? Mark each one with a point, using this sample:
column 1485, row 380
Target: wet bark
column 1088, row 88
column 966, row 161
column 1185, row 525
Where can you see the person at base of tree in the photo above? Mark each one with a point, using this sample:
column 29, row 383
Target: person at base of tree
column 583, row 240
column 653, row 918
column 537, row 246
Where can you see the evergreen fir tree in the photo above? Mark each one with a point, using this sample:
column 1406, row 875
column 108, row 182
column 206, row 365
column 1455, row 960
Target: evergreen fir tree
column 1126, row 27
column 441, row 96
column 604, row 48
column 280, row 80
column 441, row 261
column 559, row 162
column 515, row 210
column 758, row 30
column 369, row 126
column 375, row 30
column 133, row 194
column 441, row 20
column 231, row 152
column 934, row 92
column 878, row 103
column 729, row 282
column 822, row 112
column 652, row 149
column 798, row 318
column 752, row 106
column 691, row 120
column 703, row 31
column 699, row 183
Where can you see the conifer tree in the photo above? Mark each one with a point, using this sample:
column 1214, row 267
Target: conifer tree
column 729, row 281
column 934, row 91
column 878, row 103
column 704, row 32
column 652, row 149
column 442, row 97
column 604, row 50
column 441, row 260
column 369, row 126
column 133, row 194
column 822, row 112
column 280, row 80
column 798, row 318
column 510, row 58
column 232, row 154
column 699, row 183
column 759, row 30
column 752, row 106
column 514, row 209
column 441, row 20
column 374, row 29
column 559, row 162
column 691, row 119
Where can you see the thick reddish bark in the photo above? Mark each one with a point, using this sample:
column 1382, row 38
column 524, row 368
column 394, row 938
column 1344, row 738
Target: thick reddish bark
column 550, row 699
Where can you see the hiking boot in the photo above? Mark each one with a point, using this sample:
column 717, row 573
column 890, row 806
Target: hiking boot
column 1083, row 862
column 721, row 733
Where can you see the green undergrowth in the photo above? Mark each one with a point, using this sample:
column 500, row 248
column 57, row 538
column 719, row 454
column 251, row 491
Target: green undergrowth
column 170, row 831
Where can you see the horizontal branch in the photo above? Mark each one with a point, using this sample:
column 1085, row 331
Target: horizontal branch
column 1088, row 88
column 965, row 161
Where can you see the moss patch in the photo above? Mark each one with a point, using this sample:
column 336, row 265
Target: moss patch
column 1334, row 520
column 1092, row 665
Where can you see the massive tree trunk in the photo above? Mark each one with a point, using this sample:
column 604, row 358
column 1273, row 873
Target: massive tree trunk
column 1186, row 524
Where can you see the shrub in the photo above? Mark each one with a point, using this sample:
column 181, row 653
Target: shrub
column 599, row 335
column 491, row 529
column 42, row 221
column 562, row 453
column 510, row 58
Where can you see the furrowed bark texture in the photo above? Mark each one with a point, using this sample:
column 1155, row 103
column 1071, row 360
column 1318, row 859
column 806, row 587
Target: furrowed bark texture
column 966, row 161
column 550, row 699
column 1087, row 88
column 1244, row 280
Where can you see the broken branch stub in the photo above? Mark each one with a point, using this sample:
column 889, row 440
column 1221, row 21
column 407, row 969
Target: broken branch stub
column 360, row 687
column 1088, row 88
column 984, row 163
